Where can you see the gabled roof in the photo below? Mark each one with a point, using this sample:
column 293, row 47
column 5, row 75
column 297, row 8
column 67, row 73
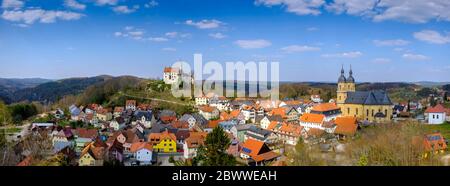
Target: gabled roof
column 131, row 103
column 434, row 142
column 368, row 98
column 207, row 109
column 196, row 139
column 278, row 111
column 312, row 118
column 323, row 107
column 291, row 129
column 346, row 125
column 162, row 136
column 252, row 147
column 170, row 69
column 436, row 109
column 140, row 145
column 86, row 133
column 95, row 152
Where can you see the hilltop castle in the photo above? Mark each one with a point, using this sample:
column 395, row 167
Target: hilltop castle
column 372, row 106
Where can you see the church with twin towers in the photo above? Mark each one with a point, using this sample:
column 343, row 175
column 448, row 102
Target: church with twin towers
column 372, row 106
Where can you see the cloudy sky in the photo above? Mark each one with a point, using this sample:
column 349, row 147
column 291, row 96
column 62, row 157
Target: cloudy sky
column 383, row 40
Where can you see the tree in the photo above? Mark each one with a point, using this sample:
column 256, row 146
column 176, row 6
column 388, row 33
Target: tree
column 213, row 153
column 5, row 115
column 445, row 96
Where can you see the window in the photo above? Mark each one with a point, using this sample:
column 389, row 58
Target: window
column 434, row 116
column 348, row 110
column 385, row 112
column 367, row 112
column 356, row 111
column 437, row 116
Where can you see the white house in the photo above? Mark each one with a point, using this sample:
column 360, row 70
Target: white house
column 209, row 112
column 130, row 105
column 143, row 152
column 195, row 140
column 436, row 115
column 309, row 121
column 316, row 99
column 201, row 100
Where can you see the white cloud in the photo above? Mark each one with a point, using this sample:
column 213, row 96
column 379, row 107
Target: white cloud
column 177, row 35
column 217, row 35
column 413, row 11
column 125, row 9
column 136, row 33
column 311, row 29
column 172, row 34
column 118, row 34
column 415, row 57
column 74, row 4
column 298, row 48
column 14, row 4
column 205, row 24
column 151, row 4
column 431, row 36
column 395, row 42
column 353, row 54
column 381, row 60
column 106, row 2
column 299, row 7
column 169, row 49
column 251, row 44
column 44, row 16
column 158, row 39
column 352, row 7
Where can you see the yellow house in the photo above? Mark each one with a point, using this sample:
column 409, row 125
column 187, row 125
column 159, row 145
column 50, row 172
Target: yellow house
column 163, row 142
column 373, row 106
column 91, row 156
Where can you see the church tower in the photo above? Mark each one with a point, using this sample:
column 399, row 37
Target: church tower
column 345, row 85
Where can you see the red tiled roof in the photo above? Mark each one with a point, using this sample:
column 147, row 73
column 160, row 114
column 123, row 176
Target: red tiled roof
column 214, row 123
column 86, row 133
column 254, row 146
column 312, row 118
column 141, row 145
column 434, row 142
column 170, row 69
column 131, row 102
column 323, row 107
column 278, row 111
column 436, row 109
column 346, row 125
column 207, row 109
column 162, row 136
column 25, row 162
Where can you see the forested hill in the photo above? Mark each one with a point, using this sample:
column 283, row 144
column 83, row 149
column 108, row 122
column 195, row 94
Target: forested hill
column 52, row 91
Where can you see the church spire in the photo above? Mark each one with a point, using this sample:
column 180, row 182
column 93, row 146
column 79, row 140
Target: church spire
column 342, row 78
column 350, row 78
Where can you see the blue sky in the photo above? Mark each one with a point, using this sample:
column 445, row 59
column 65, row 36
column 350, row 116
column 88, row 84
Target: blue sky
column 383, row 40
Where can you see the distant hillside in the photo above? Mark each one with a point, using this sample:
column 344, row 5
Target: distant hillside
column 431, row 84
column 386, row 86
column 52, row 91
column 16, row 84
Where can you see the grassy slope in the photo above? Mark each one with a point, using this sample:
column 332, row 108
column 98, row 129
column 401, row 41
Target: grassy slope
column 444, row 129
